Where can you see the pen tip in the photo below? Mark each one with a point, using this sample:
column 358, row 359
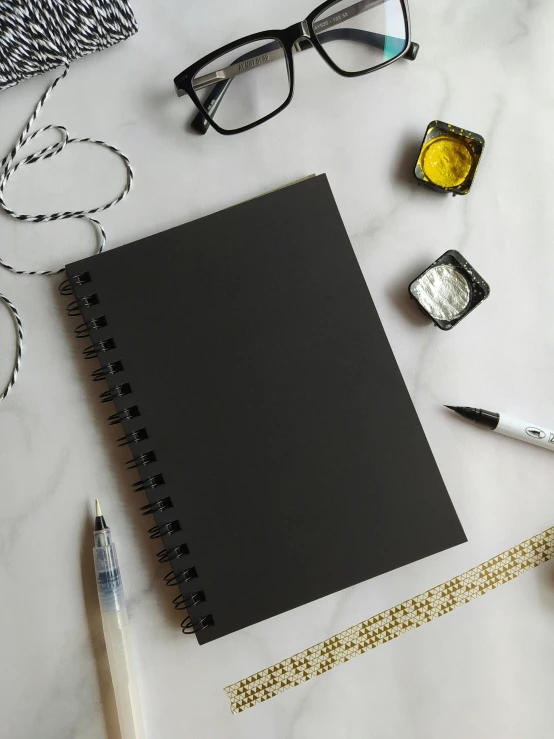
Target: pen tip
column 451, row 407
column 98, row 509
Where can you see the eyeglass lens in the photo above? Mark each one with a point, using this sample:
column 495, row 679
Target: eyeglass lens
column 258, row 87
column 362, row 35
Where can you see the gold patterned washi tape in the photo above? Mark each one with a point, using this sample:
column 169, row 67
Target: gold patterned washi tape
column 392, row 623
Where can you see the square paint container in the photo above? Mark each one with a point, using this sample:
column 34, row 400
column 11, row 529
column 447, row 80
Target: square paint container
column 449, row 158
column 449, row 290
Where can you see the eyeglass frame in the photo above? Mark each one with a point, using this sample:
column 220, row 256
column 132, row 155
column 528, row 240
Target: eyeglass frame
column 289, row 39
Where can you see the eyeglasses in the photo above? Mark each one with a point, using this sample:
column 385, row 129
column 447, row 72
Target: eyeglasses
column 261, row 68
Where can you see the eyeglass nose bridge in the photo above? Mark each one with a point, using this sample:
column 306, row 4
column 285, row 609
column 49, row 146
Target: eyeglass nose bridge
column 297, row 33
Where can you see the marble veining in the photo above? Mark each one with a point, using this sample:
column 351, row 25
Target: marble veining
column 484, row 671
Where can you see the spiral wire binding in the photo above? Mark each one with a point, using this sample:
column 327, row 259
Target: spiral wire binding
column 180, row 603
column 125, row 415
column 93, row 350
column 150, row 483
column 142, row 459
column 119, row 391
column 133, row 438
column 172, row 580
column 193, row 627
column 159, row 505
column 168, row 555
column 112, row 368
column 94, row 324
column 74, row 308
column 65, row 288
column 156, row 532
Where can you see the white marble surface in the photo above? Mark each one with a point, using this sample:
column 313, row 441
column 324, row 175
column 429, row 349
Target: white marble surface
column 485, row 670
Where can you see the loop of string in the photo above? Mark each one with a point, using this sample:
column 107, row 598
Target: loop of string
column 8, row 168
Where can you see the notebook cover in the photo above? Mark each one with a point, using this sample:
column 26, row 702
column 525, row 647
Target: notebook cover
column 274, row 406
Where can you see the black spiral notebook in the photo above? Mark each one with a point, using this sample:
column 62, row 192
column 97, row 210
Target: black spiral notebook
column 276, row 442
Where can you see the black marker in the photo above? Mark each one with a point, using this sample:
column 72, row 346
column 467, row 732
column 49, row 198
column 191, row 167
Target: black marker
column 508, row 426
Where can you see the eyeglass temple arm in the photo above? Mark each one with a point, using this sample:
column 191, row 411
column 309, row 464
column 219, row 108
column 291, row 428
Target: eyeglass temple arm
column 211, row 104
column 273, row 51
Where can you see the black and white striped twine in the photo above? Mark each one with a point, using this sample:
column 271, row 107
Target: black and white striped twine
column 40, row 36
column 8, row 168
column 19, row 349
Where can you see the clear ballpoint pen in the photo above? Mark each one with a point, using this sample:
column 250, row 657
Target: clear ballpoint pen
column 116, row 631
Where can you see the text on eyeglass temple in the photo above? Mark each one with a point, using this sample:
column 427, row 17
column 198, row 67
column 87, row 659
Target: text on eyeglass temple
column 331, row 21
column 255, row 62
